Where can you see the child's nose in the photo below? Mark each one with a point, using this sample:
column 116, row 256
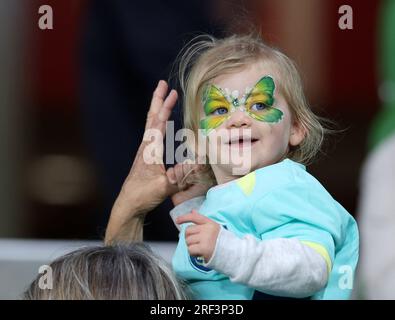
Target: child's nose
column 238, row 119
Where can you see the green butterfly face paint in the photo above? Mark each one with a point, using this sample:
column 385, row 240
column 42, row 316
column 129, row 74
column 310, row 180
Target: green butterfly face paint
column 219, row 104
column 216, row 108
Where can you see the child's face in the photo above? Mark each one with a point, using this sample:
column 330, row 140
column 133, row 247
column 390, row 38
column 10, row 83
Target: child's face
column 271, row 133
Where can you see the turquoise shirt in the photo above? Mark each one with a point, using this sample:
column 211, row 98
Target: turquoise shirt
column 277, row 201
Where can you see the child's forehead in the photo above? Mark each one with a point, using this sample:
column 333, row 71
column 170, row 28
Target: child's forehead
column 246, row 77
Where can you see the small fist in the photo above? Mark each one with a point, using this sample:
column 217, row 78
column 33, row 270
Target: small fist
column 200, row 237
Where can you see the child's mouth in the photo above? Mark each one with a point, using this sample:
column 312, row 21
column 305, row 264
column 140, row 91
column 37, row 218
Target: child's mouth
column 241, row 142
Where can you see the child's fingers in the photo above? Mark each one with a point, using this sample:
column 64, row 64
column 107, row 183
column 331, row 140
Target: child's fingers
column 194, row 250
column 193, row 217
column 192, row 229
column 193, row 239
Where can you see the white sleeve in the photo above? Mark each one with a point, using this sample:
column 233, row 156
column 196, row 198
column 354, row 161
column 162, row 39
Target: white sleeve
column 186, row 207
column 280, row 267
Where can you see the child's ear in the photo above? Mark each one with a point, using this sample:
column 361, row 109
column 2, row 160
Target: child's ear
column 298, row 133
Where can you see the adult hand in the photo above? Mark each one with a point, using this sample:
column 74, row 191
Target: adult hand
column 146, row 185
column 187, row 188
column 201, row 237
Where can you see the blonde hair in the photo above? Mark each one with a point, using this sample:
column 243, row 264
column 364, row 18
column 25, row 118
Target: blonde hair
column 206, row 58
column 118, row 272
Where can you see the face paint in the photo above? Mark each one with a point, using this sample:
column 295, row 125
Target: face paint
column 219, row 104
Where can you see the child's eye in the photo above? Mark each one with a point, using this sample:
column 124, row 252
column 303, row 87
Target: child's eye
column 220, row 111
column 258, row 107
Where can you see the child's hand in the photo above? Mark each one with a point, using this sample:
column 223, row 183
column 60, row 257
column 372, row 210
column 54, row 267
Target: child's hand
column 177, row 176
column 201, row 237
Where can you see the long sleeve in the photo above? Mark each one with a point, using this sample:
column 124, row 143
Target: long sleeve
column 281, row 267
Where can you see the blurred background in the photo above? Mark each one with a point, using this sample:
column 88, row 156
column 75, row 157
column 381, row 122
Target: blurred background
column 74, row 98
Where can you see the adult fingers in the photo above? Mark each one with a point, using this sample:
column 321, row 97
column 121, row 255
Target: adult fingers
column 170, row 173
column 164, row 113
column 176, row 176
column 157, row 100
column 180, row 174
column 188, row 168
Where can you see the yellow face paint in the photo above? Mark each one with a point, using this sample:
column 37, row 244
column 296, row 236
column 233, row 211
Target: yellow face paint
column 219, row 104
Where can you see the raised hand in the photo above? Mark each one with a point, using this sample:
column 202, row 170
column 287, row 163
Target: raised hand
column 146, row 185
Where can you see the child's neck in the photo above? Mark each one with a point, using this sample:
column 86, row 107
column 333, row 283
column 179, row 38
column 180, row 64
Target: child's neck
column 222, row 176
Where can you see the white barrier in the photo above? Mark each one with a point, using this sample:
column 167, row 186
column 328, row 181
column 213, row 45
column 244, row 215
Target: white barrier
column 21, row 259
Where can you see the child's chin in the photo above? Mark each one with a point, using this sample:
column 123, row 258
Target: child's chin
column 241, row 170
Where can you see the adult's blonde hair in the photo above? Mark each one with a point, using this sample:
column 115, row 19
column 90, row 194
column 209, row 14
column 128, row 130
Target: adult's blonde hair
column 205, row 58
column 118, row 272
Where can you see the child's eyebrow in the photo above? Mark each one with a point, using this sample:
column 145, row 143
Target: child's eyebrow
column 258, row 93
column 217, row 99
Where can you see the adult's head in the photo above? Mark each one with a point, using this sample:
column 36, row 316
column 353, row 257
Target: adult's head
column 116, row 272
